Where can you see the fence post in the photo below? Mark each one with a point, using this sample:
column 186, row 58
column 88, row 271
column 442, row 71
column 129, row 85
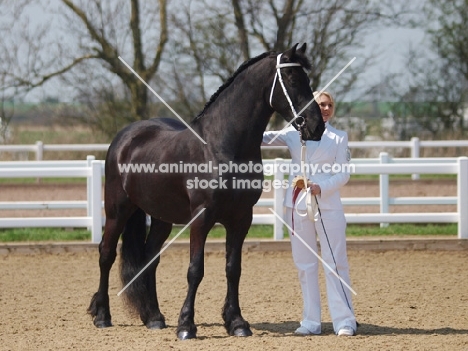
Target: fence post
column 39, row 150
column 384, row 188
column 39, row 155
column 415, row 148
column 89, row 189
column 278, row 192
column 96, row 187
column 462, row 194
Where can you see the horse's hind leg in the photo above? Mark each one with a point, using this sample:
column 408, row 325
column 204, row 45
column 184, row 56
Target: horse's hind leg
column 159, row 232
column 99, row 307
column 236, row 232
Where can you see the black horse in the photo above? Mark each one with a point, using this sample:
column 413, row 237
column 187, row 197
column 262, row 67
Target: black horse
column 232, row 124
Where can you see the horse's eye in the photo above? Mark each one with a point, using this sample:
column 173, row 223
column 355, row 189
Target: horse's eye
column 295, row 75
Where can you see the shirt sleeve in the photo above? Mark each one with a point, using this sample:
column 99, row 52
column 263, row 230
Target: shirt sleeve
column 337, row 180
column 280, row 138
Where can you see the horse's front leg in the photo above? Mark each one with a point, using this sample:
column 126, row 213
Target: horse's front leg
column 198, row 232
column 236, row 232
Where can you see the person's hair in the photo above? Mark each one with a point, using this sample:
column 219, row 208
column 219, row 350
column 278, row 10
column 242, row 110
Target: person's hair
column 330, row 96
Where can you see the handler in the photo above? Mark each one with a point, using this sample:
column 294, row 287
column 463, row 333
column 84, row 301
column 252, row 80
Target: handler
column 329, row 154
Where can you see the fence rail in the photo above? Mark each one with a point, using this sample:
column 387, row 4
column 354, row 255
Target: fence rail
column 93, row 171
column 90, row 169
column 415, row 145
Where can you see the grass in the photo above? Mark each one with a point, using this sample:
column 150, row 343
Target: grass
column 402, row 229
column 43, row 234
column 54, row 134
column 400, row 177
column 20, row 181
column 256, row 232
column 393, row 177
column 362, row 177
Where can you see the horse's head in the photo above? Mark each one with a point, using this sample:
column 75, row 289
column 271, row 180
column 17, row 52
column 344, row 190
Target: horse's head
column 291, row 92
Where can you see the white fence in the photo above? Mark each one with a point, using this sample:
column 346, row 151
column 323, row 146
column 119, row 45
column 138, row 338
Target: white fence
column 93, row 171
column 384, row 166
column 414, row 145
column 90, row 169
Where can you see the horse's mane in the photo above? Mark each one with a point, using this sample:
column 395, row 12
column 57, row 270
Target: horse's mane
column 300, row 58
column 241, row 68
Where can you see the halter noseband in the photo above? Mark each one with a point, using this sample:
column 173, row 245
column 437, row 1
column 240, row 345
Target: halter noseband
column 285, row 92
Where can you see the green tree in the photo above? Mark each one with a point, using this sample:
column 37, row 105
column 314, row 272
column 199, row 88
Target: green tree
column 437, row 91
column 450, row 37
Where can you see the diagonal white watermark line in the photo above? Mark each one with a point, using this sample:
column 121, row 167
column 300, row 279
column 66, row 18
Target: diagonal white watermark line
column 313, row 99
column 160, row 252
column 313, row 251
column 162, row 100
column 329, row 83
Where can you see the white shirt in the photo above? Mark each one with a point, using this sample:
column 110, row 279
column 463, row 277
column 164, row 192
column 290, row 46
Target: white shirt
column 320, row 158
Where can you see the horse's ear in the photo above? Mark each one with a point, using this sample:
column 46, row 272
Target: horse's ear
column 291, row 52
column 303, row 48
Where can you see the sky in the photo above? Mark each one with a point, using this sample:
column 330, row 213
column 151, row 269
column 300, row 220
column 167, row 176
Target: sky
column 392, row 43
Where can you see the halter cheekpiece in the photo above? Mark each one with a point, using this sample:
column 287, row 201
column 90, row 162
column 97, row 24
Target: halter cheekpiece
column 285, row 92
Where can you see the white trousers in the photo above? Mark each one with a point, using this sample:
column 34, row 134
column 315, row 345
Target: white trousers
column 334, row 241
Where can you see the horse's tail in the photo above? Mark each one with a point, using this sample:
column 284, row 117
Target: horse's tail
column 132, row 261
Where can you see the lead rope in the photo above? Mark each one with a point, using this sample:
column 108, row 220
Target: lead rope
column 333, row 256
column 307, row 190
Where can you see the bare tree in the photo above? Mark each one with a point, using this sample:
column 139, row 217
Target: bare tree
column 241, row 28
column 204, row 53
column 209, row 40
column 7, row 109
column 333, row 29
column 97, row 33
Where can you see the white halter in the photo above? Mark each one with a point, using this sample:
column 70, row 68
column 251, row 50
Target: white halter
column 280, row 78
column 311, row 206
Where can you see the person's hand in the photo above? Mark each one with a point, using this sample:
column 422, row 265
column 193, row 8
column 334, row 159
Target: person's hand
column 314, row 188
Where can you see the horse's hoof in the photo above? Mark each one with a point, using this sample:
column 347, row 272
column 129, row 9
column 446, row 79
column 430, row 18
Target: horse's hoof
column 156, row 325
column 242, row 332
column 103, row 324
column 186, row 335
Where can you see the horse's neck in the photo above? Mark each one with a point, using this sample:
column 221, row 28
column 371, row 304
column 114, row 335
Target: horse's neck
column 236, row 121
column 240, row 134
